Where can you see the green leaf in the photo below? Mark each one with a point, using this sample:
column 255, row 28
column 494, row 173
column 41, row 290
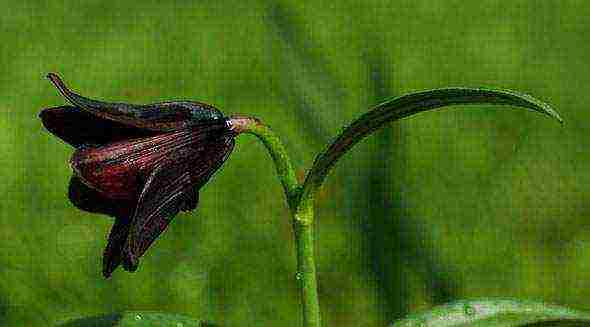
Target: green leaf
column 408, row 105
column 496, row 313
column 137, row 319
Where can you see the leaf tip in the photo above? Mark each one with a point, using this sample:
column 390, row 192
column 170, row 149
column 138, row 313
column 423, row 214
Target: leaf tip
column 553, row 113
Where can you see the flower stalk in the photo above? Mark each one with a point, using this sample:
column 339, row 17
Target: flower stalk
column 277, row 151
column 301, row 213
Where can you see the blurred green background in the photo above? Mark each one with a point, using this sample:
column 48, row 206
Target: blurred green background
column 461, row 203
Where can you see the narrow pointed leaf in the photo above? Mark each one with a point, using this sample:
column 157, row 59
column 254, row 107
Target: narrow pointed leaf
column 137, row 319
column 497, row 313
column 408, row 105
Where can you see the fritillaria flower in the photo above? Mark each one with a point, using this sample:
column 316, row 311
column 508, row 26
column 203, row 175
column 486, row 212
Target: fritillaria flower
column 140, row 164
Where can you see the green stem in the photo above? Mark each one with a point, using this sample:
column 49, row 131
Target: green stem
column 301, row 212
column 306, row 271
column 279, row 155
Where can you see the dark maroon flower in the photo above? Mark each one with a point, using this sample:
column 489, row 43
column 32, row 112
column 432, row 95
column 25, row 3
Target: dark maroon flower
column 141, row 164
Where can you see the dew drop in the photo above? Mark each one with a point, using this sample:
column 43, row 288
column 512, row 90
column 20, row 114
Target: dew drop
column 298, row 275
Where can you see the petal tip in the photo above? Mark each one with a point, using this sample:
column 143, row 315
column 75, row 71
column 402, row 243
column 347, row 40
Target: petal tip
column 52, row 76
column 130, row 261
column 59, row 84
column 42, row 113
column 106, row 274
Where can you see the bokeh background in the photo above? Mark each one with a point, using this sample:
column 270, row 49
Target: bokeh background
column 462, row 203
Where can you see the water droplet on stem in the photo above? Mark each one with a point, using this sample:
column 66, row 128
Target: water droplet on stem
column 299, row 276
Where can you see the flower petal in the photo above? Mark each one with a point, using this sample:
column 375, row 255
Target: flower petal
column 90, row 200
column 172, row 186
column 113, row 169
column 163, row 196
column 113, row 253
column 77, row 127
column 164, row 116
column 87, row 199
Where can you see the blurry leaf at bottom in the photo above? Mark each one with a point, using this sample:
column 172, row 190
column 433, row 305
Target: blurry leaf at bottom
column 137, row 319
column 502, row 313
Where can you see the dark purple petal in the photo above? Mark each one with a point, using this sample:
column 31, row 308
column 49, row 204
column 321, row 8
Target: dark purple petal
column 165, row 192
column 171, row 187
column 114, row 169
column 204, row 166
column 113, row 254
column 78, row 127
column 88, row 199
column 164, row 116
column 192, row 199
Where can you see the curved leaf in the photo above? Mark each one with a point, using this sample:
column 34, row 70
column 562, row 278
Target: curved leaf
column 407, row 105
column 496, row 313
column 137, row 319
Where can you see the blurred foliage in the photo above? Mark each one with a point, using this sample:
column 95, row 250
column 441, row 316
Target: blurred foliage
column 444, row 205
column 137, row 319
column 495, row 313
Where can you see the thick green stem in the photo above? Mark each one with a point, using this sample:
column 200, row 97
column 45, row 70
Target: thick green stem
column 301, row 212
column 306, row 273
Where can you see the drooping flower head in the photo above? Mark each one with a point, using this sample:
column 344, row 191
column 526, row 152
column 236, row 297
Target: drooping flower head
column 141, row 164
